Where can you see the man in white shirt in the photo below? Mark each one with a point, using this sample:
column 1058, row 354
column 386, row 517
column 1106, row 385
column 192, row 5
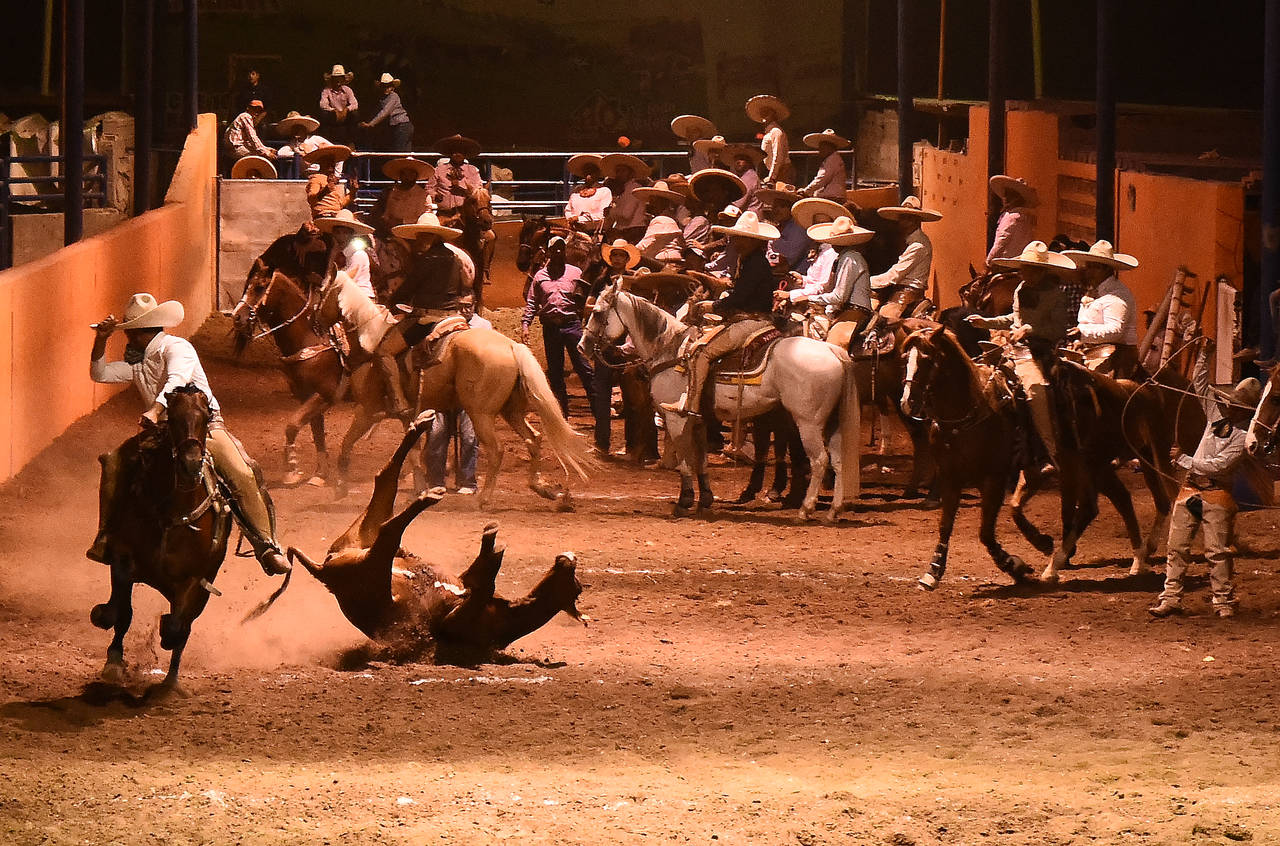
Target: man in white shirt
column 663, row 240
column 909, row 276
column 1109, row 316
column 771, row 111
column 157, row 363
column 351, row 253
column 590, row 200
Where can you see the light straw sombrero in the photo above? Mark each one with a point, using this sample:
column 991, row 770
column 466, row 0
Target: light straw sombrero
column 610, row 163
column 292, row 122
column 577, row 164
column 749, row 225
column 143, row 312
column 1036, row 254
column 707, row 177
column 422, row 170
column 343, row 217
column 805, row 211
column 842, row 232
column 633, row 254
column 692, row 127
column 659, row 190
column 830, row 136
column 910, row 208
column 427, row 224
column 1003, row 186
column 1102, row 253
column 253, row 167
column 757, row 104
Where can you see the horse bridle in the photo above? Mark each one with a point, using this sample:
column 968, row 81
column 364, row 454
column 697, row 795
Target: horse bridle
column 253, row 317
column 954, row 425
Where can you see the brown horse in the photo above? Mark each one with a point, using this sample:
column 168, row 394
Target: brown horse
column 1262, row 428
column 409, row 608
column 173, row 536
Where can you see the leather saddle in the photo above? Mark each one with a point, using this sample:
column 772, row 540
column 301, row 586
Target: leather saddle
column 745, row 365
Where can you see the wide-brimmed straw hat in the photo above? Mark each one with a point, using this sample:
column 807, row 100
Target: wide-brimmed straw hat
column 422, row 171
column 841, row 232
column 293, row 121
column 1036, row 254
column 807, row 210
column 703, row 180
column 749, row 225
column 339, row 72
column 609, row 164
column 910, row 207
column 1246, row 394
column 343, row 217
column 757, row 104
column 253, row 167
column 1003, row 186
column 706, row 146
column 388, row 79
column 1102, row 253
column 427, row 224
column 469, row 147
column 633, row 254
column 577, row 164
column 829, row 136
column 143, row 312
column 659, row 190
column 679, row 183
column 773, row 191
column 320, row 155
column 692, row 127
column 751, row 151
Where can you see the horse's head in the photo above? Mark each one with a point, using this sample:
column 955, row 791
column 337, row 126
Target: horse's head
column 1262, row 428
column 268, row 297
column 920, row 352
column 188, row 425
column 604, row 324
column 245, row 314
column 534, row 234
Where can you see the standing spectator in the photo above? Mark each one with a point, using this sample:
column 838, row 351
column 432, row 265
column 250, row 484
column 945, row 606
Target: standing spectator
column 339, row 108
column 692, row 129
column 746, row 163
column 392, row 111
column 449, row 425
column 555, row 298
column 252, row 89
column 242, row 134
column 770, row 111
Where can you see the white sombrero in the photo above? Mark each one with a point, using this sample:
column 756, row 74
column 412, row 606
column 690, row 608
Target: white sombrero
column 659, row 190
column 749, row 225
column 1003, row 185
column 633, row 254
column 706, row 146
column 337, row 152
column 1036, row 254
column 339, row 72
column 829, row 136
column 771, row 192
column 708, row 176
column 692, row 127
column 757, row 104
column 388, row 79
column 577, row 164
column 343, row 217
column 143, row 312
column 805, row 211
column 422, row 170
column 253, row 167
column 841, row 232
column 1102, row 253
column 910, row 208
column 609, row 164
column 292, row 121
column 427, row 224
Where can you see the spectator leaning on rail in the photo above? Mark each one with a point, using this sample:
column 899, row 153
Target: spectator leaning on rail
column 339, row 108
column 301, row 132
column 242, row 133
column 391, row 110
column 157, row 363
column 556, row 298
column 1206, row 499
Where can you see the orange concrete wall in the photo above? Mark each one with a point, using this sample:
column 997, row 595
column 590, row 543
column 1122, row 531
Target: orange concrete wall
column 46, row 306
column 956, row 185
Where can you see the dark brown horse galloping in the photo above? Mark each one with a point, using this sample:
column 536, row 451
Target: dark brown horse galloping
column 173, row 536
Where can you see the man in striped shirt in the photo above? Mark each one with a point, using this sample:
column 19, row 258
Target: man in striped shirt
column 242, row 134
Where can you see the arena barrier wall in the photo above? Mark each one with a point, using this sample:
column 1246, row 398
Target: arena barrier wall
column 46, row 306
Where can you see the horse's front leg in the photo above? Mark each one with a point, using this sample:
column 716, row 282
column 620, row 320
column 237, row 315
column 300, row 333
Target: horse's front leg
column 992, row 491
column 950, row 494
column 175, row 627
column 1028, row 486
column 117, row 613
column 1082, row 494
column 321, row 477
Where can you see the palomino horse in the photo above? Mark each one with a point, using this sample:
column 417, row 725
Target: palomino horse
column 1262, row 428
column 813, row 380
column 975, row 426
column 173, row 536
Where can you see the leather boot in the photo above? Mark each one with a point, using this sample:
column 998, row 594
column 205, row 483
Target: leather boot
column 390, row 369
column 107, row 488
column 687, row 405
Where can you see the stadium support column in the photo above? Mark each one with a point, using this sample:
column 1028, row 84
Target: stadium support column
column 193, row 63
column 905, row 106
column 1270, row 180
column 995, row 106
column 73, row 121
column 144, row 107
column 1105, row 177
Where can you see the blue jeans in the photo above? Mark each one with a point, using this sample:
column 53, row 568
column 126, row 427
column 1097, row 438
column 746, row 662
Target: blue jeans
column 402, row 138
column 446, row 425
column 556, row 341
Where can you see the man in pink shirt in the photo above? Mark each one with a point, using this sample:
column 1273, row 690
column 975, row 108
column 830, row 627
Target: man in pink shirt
column 556, row 299
column 339, row 108
column 1015, row 224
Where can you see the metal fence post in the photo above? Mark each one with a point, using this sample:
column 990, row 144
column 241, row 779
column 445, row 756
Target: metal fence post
column 73, row 121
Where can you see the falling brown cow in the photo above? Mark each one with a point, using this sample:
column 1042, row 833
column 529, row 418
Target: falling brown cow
column 408, row 608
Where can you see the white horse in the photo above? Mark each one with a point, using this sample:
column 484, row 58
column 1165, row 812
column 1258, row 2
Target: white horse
column 811, row 379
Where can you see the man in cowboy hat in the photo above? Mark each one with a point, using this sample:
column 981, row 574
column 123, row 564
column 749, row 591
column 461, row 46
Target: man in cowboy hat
column 350, row 254
column 157, row 363
column 392, row 111
column 589, row 203
column 745, row 309
column 626, row 217
column 433, row 288
column 818, row 279
column 327, row 191
column 790, row 250
column 339, row 108
column 663, row 240
column 771, row 111
column 845, row 296
column 301, row 131
column 1014, row 226
column 1039, row 322
column 242, row 133
column 1206, row 499
column 1109, row 313
column 832, row 175
column 691, row 129
column 708, row 153
column 911, row 270
column 744, row 163
column 408, row 198
column 455, row 175
column 556, row 296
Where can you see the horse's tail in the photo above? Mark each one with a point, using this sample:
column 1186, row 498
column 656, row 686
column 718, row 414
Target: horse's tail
column 850, row 433
column 570, row 447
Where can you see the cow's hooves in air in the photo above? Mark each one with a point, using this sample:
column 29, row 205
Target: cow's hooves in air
column 112, row 673
column 103, row 615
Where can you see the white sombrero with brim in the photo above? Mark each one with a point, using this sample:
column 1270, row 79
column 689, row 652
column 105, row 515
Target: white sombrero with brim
column 692, row 127
column 337, row 152
column 828, row 136
column 143, row 312
column 577, row 164
column 388, row 79
column 343, row 217
column 633, row 254
column 1036, row 254
column 774, row 191
column 422, row 170
column 1102, row 253
column 427, row 224
column 910, row 207
column 807, row 210
column 659, row 191
column 708, row 176
column 293, row 121
column 749, row 225
column 610, row 163
column 757, row 104
column 339, row 72
column 706, row 146
column 841, row 232
column 253, row 167
column 1003, row 186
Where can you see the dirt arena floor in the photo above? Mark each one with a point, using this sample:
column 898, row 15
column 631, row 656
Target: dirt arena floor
column 744, row 679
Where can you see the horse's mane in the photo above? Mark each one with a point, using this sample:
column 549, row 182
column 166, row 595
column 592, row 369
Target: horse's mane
column 660, row 324
column 368, row 318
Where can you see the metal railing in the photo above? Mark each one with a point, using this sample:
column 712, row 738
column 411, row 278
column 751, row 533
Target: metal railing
column 95, row 177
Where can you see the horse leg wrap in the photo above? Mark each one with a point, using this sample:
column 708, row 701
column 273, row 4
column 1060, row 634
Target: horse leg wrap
column 173, row 631
column 937, row 568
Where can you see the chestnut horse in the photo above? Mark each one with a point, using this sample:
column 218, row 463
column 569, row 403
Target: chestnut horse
column 1262, row 428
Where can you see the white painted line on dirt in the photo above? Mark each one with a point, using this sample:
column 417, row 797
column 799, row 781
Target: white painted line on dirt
column 486, row 680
